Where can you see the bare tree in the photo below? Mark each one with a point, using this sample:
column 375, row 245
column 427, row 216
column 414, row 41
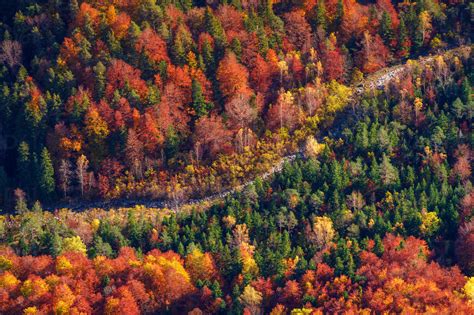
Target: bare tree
column 65, row 174
column 134, row 153
column 11, row 53
column 82, row 165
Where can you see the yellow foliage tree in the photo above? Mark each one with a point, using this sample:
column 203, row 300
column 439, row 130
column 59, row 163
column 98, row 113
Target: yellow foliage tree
column 469, row 289
column 36, row 287
column 74, row 244
column 8, row 281
column 322, row 232
column 200, row 266
column 338, row 98
column 313, row 148
column 63, row 265
column 251, row 299
column 430, row 223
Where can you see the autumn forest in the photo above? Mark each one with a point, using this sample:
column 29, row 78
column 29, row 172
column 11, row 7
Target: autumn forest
column 236, row 157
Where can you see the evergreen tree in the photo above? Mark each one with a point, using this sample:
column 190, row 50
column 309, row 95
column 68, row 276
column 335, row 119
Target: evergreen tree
column 320, row 20
column 200, row 106
column 24, row 166
column 386, row 31
column 99, row 71
column 339, row 14
column 236, row 47
column 403, row 39
column 378, row 246
column 46, row 179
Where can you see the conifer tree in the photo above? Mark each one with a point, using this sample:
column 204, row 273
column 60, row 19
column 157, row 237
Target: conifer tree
column 46, row 180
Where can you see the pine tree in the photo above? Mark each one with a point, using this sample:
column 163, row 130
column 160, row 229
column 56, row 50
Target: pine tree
column 215, row 28
column 378, row 246
column 403, row 39
column 339, row 14
column 386, row 31
column 374, row 172
column 99, row 71
column 236, row 47
column 201, row 107
column 24, row 166
column 89, row 31
column 73, row 9
column 46, row 180
column 320, row 19
column 207, row 53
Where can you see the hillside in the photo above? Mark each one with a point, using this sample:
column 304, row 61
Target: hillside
column 114, row 99
column 375, row 218
column 236, row 157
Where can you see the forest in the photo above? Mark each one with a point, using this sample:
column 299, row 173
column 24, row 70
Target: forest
column 115, row 98
column 156, row 100
column 378, row 217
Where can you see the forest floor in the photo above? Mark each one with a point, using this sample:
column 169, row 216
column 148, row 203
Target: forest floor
column 378, row 80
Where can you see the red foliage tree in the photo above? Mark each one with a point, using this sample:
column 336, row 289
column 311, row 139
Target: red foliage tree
column 373, row 54
column 119, row 74
column 284, row 113
column 333, row 61
column 465, row 246
column 298, row 30
column 211, row 143
column 232, row 76
column 171, row 112
column 261, row 75
column 152, row 45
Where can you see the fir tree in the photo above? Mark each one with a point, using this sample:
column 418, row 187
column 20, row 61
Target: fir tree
column 46, row 179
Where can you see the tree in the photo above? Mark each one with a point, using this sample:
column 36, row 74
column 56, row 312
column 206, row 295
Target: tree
column 122, row 302
column 464, row 245
column 251, row 299
column 388, row 173
column 99, row 71
column 312, row 148
column 82, row 164
column 210, row 143
column 74, row 244
column 24, row 166
column 134, row 153
column 373, row 54
column 200, row 106
column 404, row 43
column 97, row 130
column 214, row 27
column 232, row 76
column 20, row 201
column 239, row 110
column 200, row 266
column 284, row 113
column 65, row 174
column 120, row 74
column 319, row 16
column 152, row 45
column 46, row 180
column 261, row 75
column 321, row 232
column 333, row 60
column 172, row 113
column 298, row 30
column 425, row 25
column 386, row 30
column 11, row 54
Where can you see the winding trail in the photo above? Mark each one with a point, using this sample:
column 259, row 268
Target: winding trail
column 378, row 80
